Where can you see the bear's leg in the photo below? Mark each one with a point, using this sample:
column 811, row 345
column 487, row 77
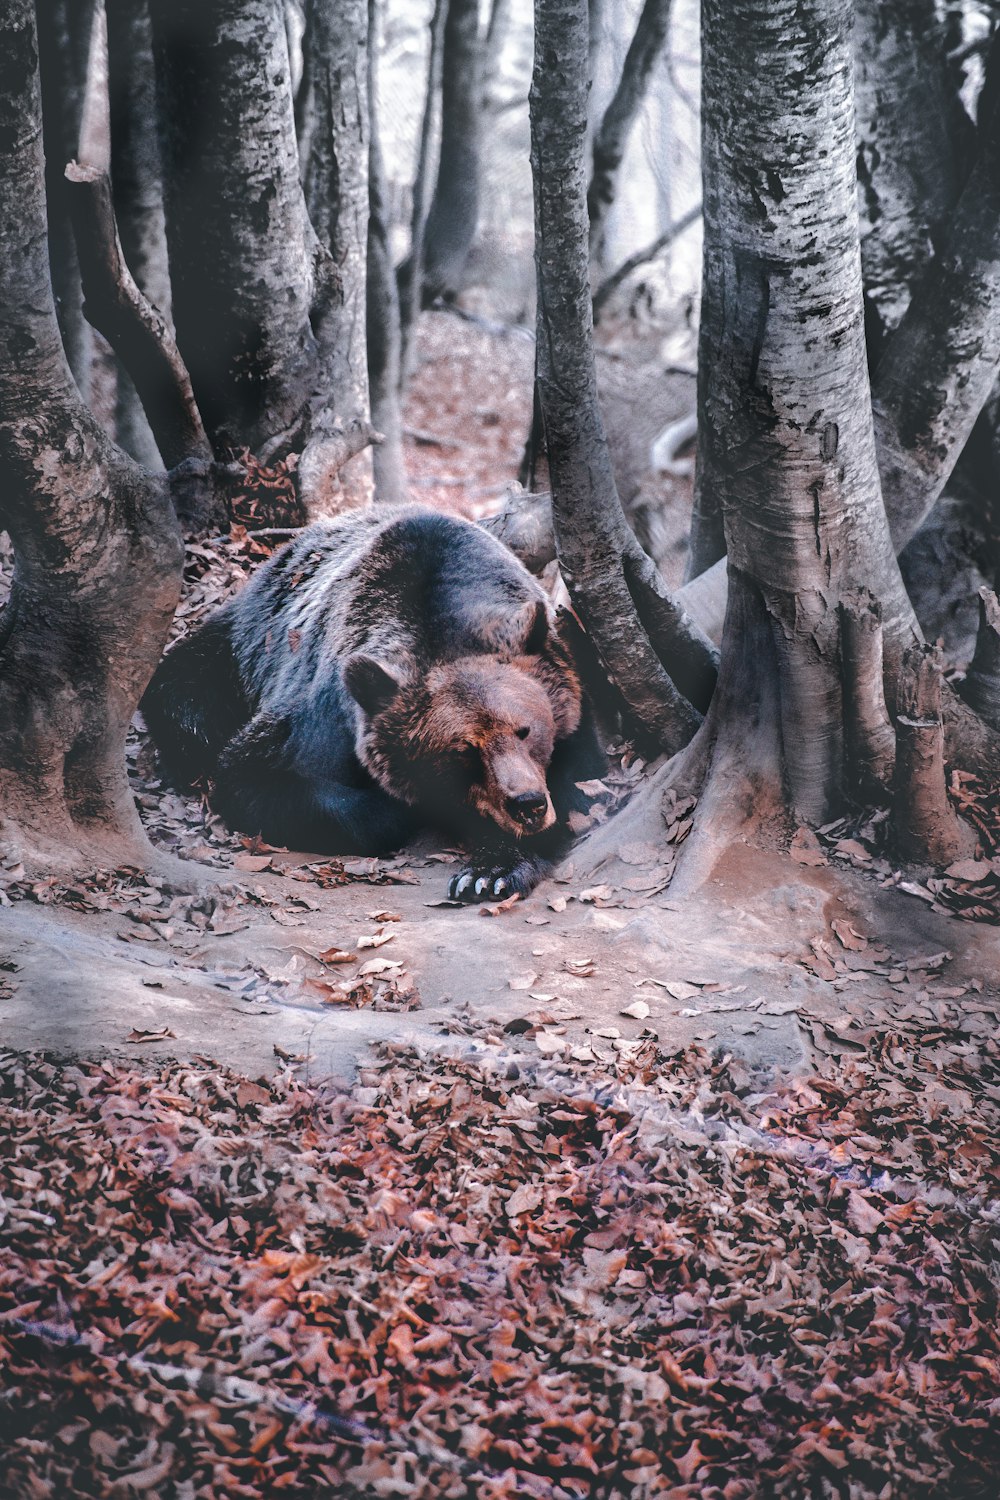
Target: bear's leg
column 288, row 810
column 195, row 703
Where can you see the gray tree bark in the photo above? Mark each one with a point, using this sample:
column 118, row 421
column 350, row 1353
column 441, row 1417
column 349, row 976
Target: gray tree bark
column 614, row 587
column 454, row 212
column 935, row 374
column 97, row 549
column 410, row 275
column 914, row 148
column 786, row 434
column 334, row 145
column 384, row 357
column 619, row 117
column 252, row 284
column 65, row 30
column 138, row 191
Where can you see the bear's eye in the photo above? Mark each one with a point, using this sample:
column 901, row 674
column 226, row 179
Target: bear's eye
column 522, row 733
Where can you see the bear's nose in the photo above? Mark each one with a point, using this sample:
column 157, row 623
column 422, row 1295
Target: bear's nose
column 528, row 808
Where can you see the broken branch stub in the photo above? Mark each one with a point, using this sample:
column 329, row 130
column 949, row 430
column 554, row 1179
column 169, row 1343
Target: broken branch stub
column 927, row 829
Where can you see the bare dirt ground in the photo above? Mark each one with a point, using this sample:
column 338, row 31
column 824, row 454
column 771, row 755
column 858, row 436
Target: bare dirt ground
column 312, row 1183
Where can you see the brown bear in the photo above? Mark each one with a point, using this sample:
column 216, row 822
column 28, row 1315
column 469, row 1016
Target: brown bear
column 386, row 670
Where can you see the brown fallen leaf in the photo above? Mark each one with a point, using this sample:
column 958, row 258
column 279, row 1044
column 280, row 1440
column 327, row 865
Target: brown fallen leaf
column 137, row 1034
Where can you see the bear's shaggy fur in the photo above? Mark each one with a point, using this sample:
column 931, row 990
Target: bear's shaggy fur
column 386, row 670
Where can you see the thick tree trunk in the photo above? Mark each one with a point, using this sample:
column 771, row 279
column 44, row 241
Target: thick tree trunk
column 614, row 586
column 97, row 549
column 935, row 375
column 65, row 34
column 383, row 306
column 243, row 277
column 138, row 191
column 454, row 211
column 335, row 146
column 788, row 443
column 620, row 115
column 251, row 282
column 786, row 434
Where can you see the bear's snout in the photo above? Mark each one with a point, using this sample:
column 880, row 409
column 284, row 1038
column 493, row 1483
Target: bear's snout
column 529, row 810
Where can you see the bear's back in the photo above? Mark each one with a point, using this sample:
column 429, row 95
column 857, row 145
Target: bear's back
column 405, row 585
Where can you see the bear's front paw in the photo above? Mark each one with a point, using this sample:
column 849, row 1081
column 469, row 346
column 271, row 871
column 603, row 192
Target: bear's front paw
column 494, row 879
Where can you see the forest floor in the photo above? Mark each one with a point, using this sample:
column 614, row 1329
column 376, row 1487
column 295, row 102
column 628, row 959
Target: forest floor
column 314, row 1183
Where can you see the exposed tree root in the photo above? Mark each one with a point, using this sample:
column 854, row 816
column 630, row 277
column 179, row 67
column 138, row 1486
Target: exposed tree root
column 927, row 828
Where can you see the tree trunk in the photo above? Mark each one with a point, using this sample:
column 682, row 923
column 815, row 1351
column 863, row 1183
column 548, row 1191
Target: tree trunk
column 786, row 434
column 613, row 584
column 138, row 192
column 620, row 115
column 335, row 143
column 454, row 211
column 97, row 549
column 252, row 284
column 383, row 306
column 914, row 150
column 65, row 33
column 935, row 375
column 410, row 275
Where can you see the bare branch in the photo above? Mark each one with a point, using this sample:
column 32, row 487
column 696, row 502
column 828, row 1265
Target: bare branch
column 114, row 305
column 642, row 257
column 325, row 454
column 619, row 117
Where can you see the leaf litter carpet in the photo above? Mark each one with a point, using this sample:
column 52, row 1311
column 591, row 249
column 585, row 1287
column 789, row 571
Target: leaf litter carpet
column 480, row 1273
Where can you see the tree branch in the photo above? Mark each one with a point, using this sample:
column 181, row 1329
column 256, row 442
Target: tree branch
column 619, row 117
column 114, row 305
column 611, row 283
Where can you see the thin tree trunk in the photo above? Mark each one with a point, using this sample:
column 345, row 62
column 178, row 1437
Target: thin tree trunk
column 914, row 149
column 410, row 276
column 138, row 191
column 97, row 549
column 65, row 33
column 383, row 306
column 620, row 115
column 335, row 49
column 610, row 579
column 454, row 211
column 493, row 45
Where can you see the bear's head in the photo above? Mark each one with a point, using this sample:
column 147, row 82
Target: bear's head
column 471, row 736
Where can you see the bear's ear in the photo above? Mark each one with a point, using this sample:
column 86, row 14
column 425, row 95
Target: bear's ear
column 371, row 684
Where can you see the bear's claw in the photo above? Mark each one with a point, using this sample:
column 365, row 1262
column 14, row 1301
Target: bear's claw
column 494, row 881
